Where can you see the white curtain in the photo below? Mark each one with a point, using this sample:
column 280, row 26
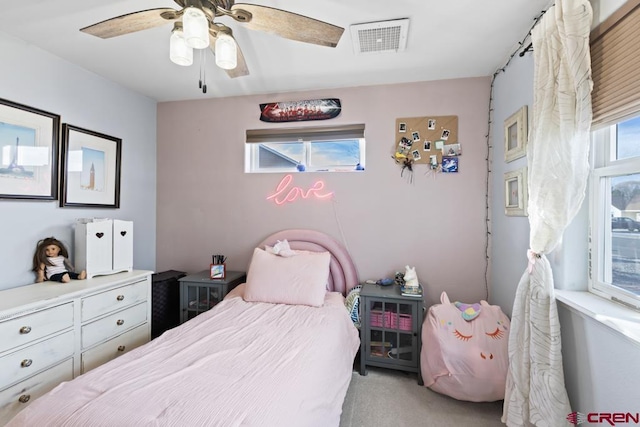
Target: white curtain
column 558, row 166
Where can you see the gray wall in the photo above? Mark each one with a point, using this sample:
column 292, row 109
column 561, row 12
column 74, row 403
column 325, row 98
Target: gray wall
column 600, row 364
column 36, row 78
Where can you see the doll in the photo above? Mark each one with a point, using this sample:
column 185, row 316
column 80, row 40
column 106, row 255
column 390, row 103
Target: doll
column 50, row 262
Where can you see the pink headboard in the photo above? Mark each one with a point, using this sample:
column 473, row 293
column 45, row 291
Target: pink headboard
column 342, row 275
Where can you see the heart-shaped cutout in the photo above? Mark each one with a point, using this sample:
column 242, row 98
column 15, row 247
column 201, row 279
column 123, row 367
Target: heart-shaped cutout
column 123, row 233
column 99, row 235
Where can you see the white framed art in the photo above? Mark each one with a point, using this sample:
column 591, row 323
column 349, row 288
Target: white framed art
column 515, row 192
column 515, row 135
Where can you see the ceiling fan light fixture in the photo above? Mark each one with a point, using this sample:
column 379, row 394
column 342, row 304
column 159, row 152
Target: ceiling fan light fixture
column 179, row 52
column 226, row 52
column 196, row 28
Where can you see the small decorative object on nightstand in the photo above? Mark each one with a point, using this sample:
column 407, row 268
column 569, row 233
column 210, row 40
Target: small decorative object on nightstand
column 199, row 293
column 390, row 329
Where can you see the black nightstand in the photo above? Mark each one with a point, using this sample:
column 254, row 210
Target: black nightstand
column 390, row 329
column 199, row 293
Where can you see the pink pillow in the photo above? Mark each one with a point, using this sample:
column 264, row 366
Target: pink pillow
column 298, row 280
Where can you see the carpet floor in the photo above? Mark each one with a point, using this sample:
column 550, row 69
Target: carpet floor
column 389, row 398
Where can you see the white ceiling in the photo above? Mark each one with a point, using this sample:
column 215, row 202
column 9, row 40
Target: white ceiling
column 447, row 39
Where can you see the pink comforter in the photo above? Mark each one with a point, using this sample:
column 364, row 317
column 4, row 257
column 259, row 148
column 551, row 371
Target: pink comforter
column 240, row 364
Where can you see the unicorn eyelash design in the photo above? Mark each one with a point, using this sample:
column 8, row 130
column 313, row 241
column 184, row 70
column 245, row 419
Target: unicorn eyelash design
column 496, row 335
column 460, row 336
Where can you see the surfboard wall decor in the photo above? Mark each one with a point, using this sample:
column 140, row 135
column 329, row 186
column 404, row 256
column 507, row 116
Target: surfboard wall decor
column 297, row 111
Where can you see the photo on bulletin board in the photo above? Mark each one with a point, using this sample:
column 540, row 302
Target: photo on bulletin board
column 451, row 150
column 449, row 164
column 404, row 146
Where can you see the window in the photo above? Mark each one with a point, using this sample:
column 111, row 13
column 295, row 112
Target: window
column 615, row 213
column 327, row 149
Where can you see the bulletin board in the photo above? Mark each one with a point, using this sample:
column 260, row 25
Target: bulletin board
column 420, row 138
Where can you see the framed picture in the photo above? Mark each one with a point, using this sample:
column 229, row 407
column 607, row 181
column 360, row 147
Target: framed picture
column 90, row 169
column 28, row 152
column 515, row 192
column 218, row 271
column 515, row 135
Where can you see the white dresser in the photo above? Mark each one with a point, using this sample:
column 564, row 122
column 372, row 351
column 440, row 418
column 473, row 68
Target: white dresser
column 52, row 332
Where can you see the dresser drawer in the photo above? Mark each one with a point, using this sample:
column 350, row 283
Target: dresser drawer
column 114, row 324
column 29, row 360
column 115, row 347
column 105, row 302
column 32, row 326
column 15, row 398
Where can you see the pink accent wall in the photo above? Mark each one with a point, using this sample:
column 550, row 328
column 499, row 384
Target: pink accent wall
column 208, row 205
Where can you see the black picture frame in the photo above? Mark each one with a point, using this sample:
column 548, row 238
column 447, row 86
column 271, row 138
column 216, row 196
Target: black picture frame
column 90, row 168
column 30, row 169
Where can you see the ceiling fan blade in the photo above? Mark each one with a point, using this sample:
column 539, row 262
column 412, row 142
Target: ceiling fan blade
column 241, row 69
column 132, row 22
column 291, row 25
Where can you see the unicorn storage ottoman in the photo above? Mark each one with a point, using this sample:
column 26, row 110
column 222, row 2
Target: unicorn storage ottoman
column 464, row 350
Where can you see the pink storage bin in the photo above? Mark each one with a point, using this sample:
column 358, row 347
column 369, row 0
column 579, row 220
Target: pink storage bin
column 401, row 321
column 380, row 319
column 405, row 322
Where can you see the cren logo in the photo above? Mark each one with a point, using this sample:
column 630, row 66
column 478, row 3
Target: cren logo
column 576, row 418
column 610, row 418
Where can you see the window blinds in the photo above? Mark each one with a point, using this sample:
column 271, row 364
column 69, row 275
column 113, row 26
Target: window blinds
column 615, row 66
column 325, row 133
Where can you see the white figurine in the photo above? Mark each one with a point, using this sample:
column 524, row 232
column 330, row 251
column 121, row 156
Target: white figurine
column 410, row 277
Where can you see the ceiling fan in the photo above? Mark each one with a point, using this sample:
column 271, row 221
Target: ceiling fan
column 195, row 26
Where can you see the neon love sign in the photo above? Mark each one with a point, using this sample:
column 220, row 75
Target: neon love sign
column 282, row 196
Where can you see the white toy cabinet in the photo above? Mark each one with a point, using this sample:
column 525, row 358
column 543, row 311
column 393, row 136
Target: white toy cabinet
column 103, row 246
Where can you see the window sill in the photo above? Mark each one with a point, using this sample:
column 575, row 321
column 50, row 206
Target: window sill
column 615, row 316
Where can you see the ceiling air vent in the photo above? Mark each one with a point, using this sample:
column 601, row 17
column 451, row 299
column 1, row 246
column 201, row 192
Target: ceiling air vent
column 380, row 37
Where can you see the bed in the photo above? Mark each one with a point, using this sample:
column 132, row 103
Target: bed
column 240, row 364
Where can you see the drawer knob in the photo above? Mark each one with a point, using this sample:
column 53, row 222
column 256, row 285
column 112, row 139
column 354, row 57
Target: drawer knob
column 99, row 235
column 121, row 348
column 123, row 233
column 25, row 329
column 26, row 363
column 120, row 297
column 24, row 398
column 120, row 322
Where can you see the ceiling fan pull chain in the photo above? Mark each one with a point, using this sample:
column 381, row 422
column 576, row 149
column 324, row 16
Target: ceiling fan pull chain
column 204, row 71
column 200, row 81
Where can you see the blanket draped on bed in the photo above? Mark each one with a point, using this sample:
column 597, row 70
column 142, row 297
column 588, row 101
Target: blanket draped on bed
column 239, row 364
